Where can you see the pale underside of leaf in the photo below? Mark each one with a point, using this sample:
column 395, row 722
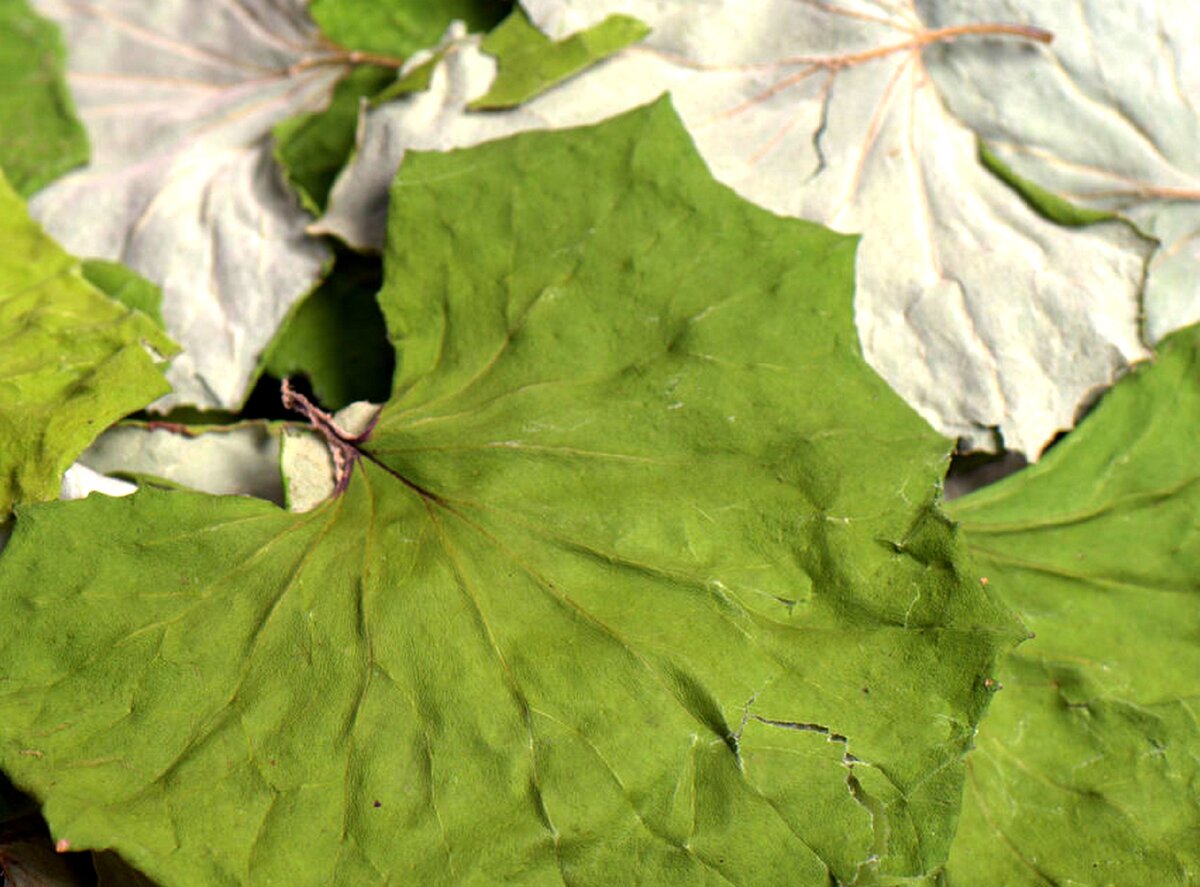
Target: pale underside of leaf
column 981, row 314
column 79, row 481
column 179, row 99
column 241, row 459
column 1106, row 116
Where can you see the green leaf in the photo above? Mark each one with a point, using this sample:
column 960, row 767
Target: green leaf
column 72, row 361
column 125, row 285
column 42, row 137
column 1086, row 769
column 399, row 28
column 631, row 582
column 529, row 62
column 312, row 148
column 337, row 337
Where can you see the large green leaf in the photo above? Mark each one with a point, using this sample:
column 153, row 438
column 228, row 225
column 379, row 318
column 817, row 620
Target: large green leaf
column 994, row 323
column 72, row 361
column 1086, row 769
column 631, row 582
column 42, row 137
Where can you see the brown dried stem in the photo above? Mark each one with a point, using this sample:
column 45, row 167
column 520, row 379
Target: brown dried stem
column 343, row 446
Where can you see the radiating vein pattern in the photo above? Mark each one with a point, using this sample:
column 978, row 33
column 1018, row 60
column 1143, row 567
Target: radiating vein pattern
column 1105, row 116
column 589, row 609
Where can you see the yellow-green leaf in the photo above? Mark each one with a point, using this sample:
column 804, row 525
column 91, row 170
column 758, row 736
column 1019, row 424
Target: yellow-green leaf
column 638, row 578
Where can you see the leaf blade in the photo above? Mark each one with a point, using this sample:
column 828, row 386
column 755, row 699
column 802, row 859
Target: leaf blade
column 72, row 361
column 1085, row 767
column 519, row 648
column 43, row 138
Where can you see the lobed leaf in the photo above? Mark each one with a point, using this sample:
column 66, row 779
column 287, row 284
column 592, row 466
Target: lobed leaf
column 1105, row 116
column 179, row 98
column 1085, row 770
column 994, row 323
column 630, row 582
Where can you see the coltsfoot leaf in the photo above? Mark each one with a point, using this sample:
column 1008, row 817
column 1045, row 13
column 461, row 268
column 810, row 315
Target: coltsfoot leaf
column 1085, row 770
column 638, row 577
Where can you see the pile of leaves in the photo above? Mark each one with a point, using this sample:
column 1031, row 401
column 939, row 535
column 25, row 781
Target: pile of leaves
column 464, row 443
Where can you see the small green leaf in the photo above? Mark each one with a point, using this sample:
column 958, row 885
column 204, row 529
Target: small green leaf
column 337, row 337
column 1087, row 768
column 638, row 578
column 529, row 62
column 72, row 361
column 399, row 28
column 42, row 138
column 313, row 148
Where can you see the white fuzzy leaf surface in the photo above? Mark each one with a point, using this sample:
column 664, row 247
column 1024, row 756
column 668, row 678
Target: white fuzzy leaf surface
column 179, row 97
column 1107, row 116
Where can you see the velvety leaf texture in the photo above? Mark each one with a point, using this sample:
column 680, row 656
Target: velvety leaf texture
column 42, row 138
column 1085, row 770
column 72, row 361
column 631, row 582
